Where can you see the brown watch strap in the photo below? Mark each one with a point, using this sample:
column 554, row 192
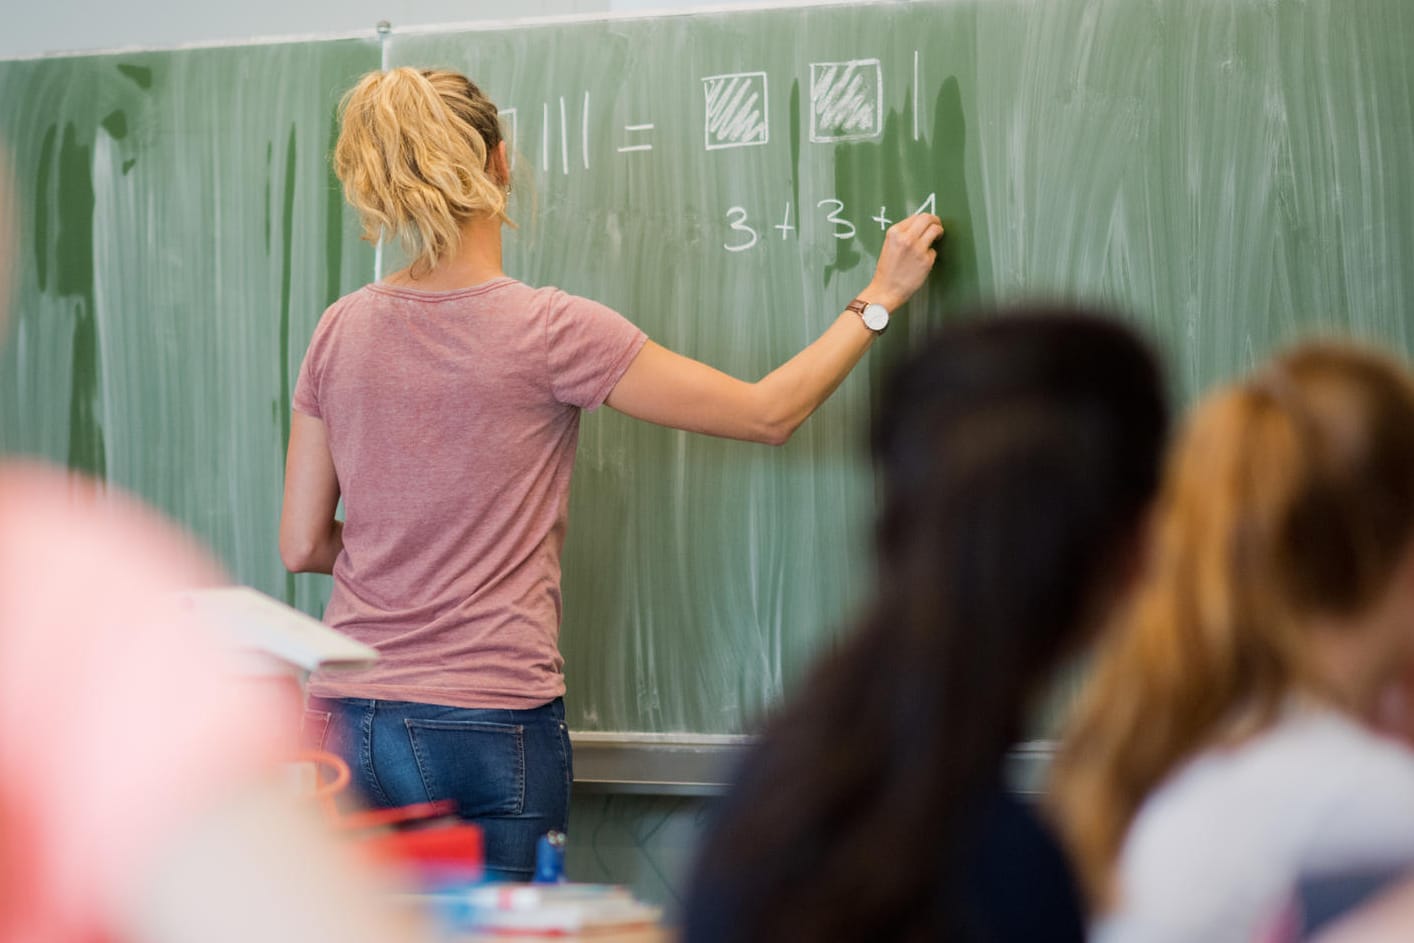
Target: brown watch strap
column 857, row 306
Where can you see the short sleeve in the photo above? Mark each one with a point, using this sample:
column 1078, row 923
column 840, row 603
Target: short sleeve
column 306, row 398
column 588, row 349
column 311, row 371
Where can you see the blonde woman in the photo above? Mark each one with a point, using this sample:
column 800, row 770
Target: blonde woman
column 442, row 404
column 1225, row 749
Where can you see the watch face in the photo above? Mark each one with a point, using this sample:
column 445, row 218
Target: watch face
column 876, row 317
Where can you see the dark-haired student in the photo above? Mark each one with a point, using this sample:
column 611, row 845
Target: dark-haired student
column 1019, row 454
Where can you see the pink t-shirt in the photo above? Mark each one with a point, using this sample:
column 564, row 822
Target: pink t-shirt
column 452, row 418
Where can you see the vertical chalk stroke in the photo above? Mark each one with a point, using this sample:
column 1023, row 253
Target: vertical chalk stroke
column 545, row 136
column 584, row 130
column 737, row 111
column 74, row 207
column 564, row 140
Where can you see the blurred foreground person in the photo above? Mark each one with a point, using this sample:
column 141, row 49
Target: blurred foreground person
column 139, row 799
column 1226, row 749
column 1018, row 456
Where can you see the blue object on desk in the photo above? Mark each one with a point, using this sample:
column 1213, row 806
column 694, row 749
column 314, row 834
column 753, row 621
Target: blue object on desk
column 550, row 858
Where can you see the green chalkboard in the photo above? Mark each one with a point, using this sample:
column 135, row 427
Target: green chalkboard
column 1231, row 173
column 671, row 168
column 180, row 234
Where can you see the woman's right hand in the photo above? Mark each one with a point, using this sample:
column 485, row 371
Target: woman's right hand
column 905, row 260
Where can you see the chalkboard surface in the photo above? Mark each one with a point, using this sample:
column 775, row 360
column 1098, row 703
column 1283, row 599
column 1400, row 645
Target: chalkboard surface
column 725, row 182
column 1230, row 173
column 180, row 235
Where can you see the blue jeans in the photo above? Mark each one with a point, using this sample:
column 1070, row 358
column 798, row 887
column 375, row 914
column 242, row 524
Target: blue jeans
column 508, row 771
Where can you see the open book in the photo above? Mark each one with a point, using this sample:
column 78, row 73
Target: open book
column 254, row 622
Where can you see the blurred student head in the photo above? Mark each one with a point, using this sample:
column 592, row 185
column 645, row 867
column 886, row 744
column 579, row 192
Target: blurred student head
column 1018, row 454
column 1281, row 565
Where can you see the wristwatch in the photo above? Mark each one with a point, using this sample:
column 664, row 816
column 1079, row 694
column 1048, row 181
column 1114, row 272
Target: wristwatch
column 874, row 316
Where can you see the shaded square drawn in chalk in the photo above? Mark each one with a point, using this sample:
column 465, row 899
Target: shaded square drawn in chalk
column 736, row 110
column 507, row 117
column 846, row 100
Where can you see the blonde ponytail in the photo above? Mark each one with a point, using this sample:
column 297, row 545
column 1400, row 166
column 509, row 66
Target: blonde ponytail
column 414, row 154
column 1287, row 498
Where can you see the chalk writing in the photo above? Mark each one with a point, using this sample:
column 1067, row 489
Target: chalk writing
column 736, row 110
column 846, row 100
column 636, row 129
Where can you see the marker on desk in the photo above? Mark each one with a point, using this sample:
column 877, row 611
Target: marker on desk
column 550, row 859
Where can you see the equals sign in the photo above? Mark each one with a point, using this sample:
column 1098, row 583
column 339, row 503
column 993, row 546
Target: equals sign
column 634, row 129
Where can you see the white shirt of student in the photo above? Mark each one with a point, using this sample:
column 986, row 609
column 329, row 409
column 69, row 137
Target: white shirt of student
column 1216, row 851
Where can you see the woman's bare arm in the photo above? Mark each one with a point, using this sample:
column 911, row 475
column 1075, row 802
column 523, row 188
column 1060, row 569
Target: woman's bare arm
column 669, row 389
column 310, row 538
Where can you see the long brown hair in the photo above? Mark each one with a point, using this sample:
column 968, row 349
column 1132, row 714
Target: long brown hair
column 1288, row 498
column 1018, row 454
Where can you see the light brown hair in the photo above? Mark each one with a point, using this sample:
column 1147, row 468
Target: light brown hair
column 1288, row 498
column 414, row 157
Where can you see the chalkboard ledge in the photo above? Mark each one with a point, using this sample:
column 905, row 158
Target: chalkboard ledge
column 702, row 764
column 655, row 764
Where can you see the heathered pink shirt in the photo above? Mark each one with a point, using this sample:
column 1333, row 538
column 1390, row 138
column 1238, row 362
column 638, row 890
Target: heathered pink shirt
column 452, row 418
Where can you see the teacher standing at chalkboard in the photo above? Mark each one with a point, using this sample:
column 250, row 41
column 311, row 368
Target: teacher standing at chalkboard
column 442, row 405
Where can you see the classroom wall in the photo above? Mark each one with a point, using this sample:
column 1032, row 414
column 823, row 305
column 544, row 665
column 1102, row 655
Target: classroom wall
column 37, row 29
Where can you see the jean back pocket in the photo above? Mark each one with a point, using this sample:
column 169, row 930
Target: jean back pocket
column 479, row 766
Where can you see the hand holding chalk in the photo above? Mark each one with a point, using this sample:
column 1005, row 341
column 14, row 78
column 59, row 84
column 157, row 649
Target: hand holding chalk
column 905, row 260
